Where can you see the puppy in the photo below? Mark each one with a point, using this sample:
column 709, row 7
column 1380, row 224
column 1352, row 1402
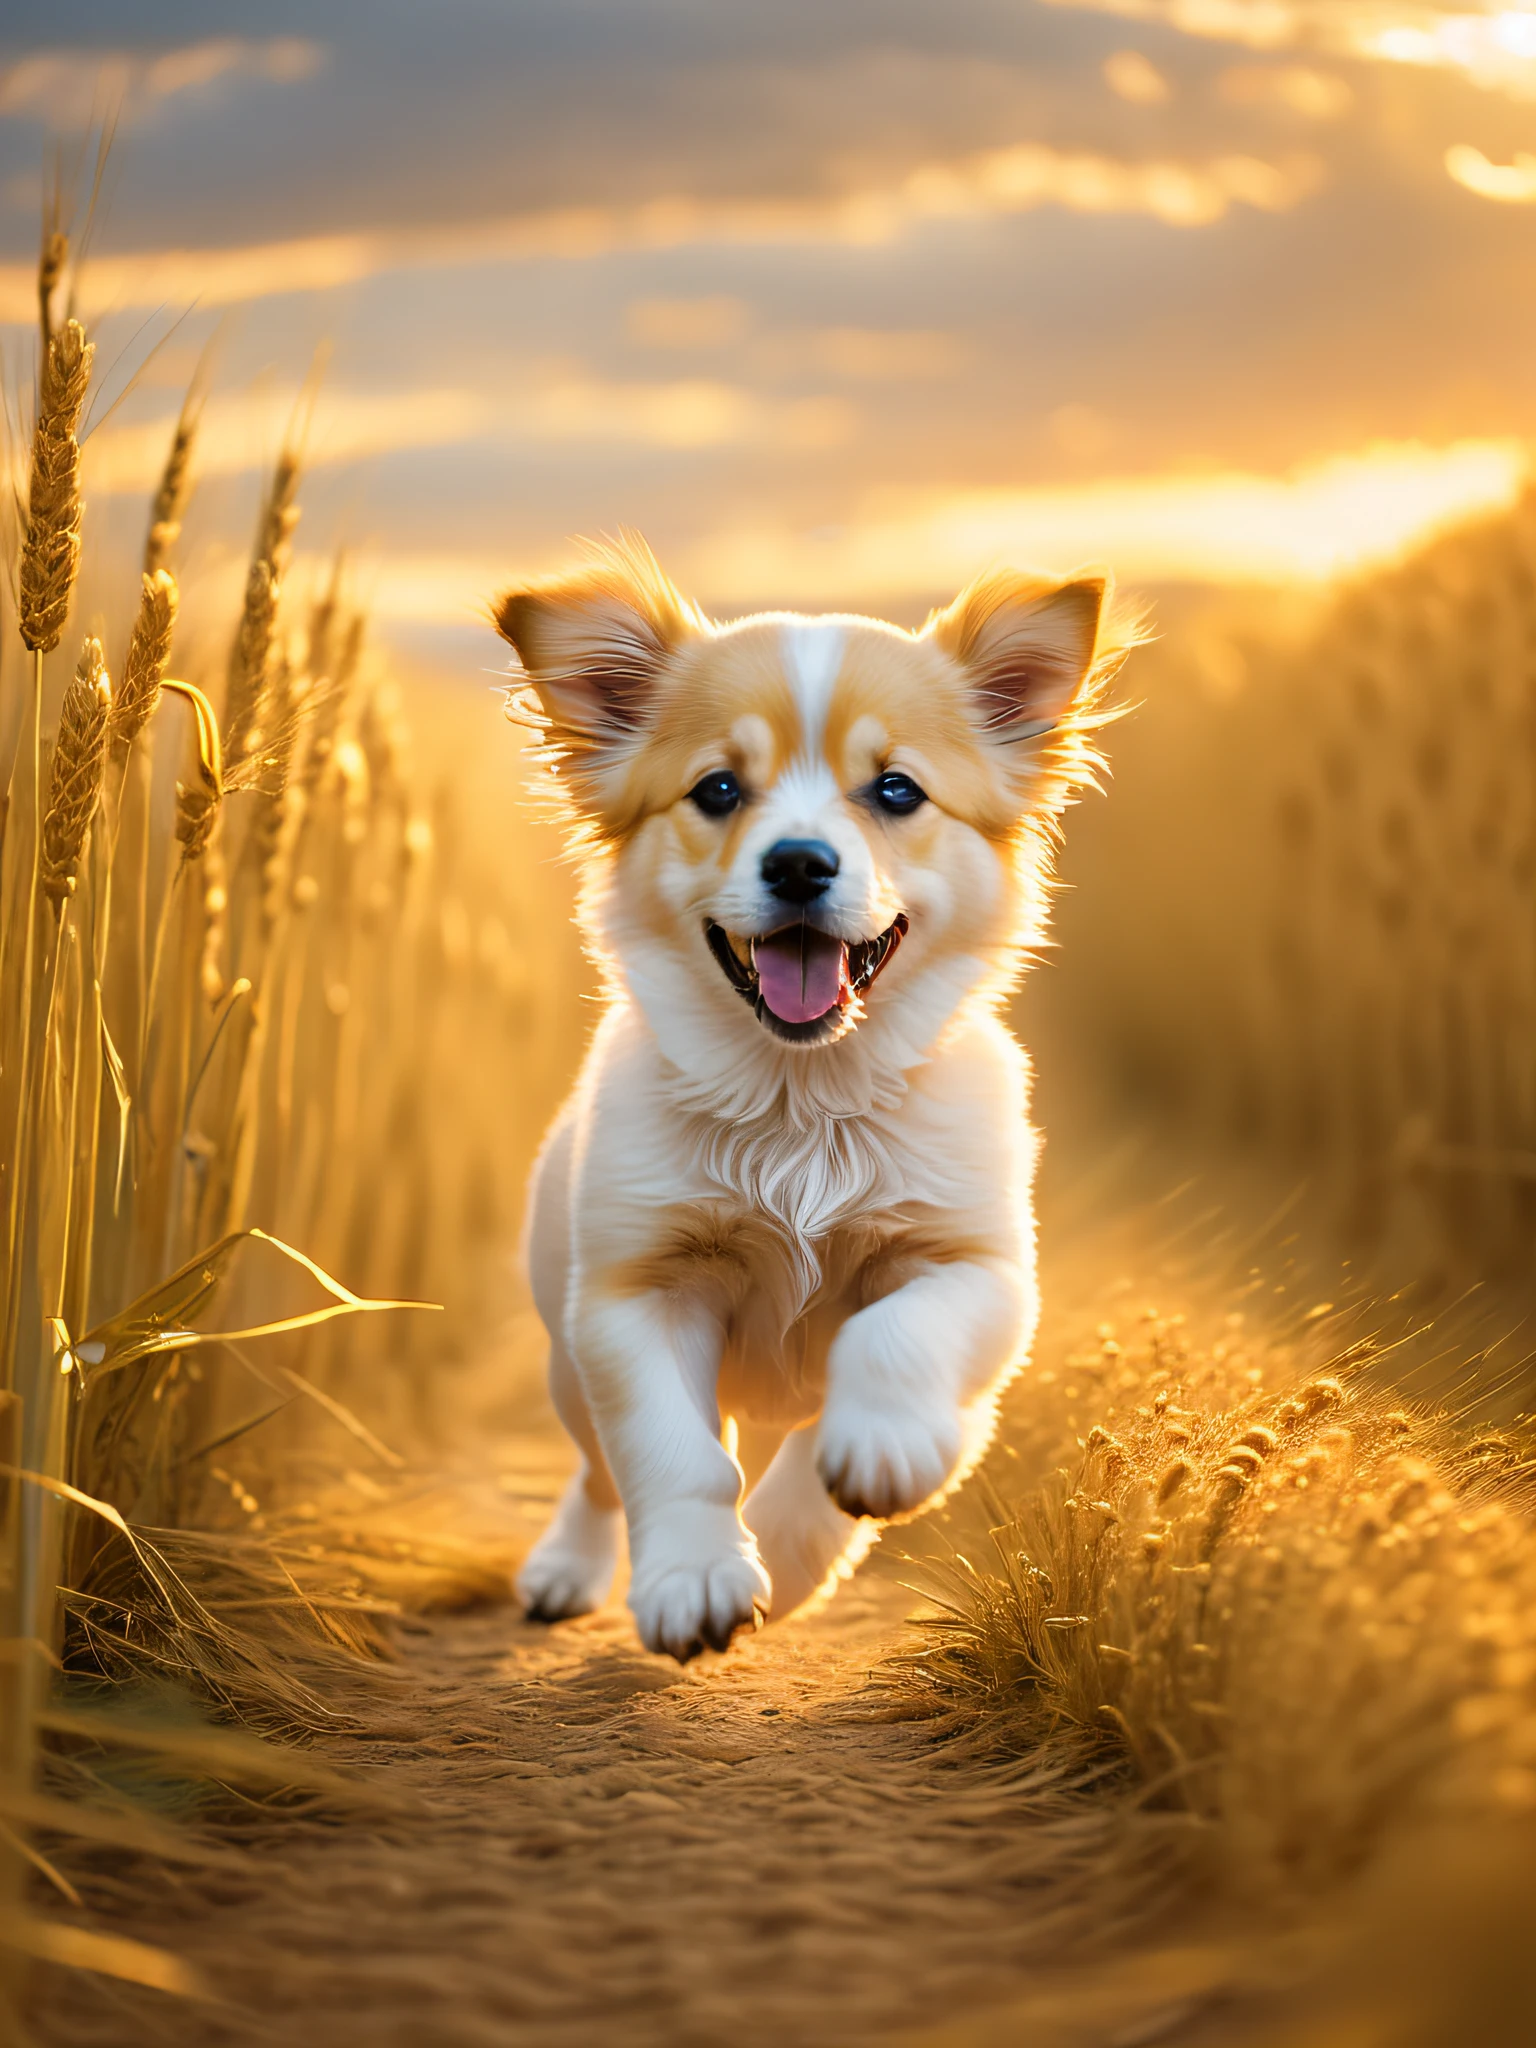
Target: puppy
column 786, row 1209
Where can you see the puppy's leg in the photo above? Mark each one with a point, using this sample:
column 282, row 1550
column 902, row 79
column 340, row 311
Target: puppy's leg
column 649, row 1364
column 571, row 1567
column 909, row 1379
column 806, row 1540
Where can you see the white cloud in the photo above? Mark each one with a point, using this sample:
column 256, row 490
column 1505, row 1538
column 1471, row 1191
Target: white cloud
column 1494, row 48
column 1132, row 76
column 558, row 403
column 1321, row 519
column 990, row 184
column 704, row 323
column 68, row 88
column 240, row 432
column 1298, row 89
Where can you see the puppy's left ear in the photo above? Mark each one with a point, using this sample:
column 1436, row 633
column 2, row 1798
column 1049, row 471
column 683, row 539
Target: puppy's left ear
column 1027, row 647
column 594, row 642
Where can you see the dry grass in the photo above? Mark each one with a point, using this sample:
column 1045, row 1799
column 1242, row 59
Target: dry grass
column 1302, row 924
column 1284, row 1605
column 268, row 1002
column 1282, row 1622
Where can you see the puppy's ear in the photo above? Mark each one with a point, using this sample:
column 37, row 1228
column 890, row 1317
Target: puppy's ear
column 1027, row 646
column 593, row 642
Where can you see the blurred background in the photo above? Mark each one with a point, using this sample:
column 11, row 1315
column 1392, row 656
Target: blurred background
column 831, row 302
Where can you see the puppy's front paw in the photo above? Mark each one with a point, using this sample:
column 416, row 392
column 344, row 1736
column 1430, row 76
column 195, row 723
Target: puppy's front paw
column 883, row 1462
column 687, row 1596
column 570, row 1568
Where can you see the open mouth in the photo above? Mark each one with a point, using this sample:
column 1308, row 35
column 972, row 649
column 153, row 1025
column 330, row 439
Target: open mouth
column 801, row 980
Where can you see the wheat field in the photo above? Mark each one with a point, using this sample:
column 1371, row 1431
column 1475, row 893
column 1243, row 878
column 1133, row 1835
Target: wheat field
column 1228, row 1643
column 1320, row 953
column 249, row 969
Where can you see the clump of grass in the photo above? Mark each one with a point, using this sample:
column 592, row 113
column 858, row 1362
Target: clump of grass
column 1281, row 1609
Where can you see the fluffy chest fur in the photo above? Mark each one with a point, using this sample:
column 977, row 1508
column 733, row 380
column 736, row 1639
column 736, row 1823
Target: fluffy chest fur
column 802, row 1182
column 799, row 1202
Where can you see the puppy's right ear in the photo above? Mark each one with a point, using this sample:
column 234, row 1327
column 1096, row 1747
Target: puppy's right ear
column 593, row 642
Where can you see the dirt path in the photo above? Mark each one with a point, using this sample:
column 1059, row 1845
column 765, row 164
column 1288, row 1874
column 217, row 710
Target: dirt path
column 609, row 1849
column 591, row 1845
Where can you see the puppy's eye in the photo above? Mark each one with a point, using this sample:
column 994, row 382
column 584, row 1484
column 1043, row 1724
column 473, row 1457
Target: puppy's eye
column 718, row 794
column 898, row 793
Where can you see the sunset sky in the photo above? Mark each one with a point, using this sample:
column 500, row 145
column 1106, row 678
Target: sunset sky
column 835, row 302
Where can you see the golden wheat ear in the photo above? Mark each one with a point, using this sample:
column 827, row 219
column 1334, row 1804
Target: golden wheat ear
column 593, row 641
column 1028, row 645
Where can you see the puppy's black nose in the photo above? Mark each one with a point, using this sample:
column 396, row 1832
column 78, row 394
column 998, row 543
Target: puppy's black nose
column 800, row 870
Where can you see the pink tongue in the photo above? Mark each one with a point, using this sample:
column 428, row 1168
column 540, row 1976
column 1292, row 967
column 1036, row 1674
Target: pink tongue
column 800, row 973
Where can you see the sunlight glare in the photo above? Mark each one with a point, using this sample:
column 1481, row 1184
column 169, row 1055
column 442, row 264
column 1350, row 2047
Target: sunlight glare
column 1496, row 51
column 1513, row 184
column 1322, row 519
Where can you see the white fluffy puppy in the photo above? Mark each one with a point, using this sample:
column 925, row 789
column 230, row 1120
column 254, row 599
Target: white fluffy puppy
column 790, row 1192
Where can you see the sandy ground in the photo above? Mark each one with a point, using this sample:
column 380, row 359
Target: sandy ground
column 597, row 1846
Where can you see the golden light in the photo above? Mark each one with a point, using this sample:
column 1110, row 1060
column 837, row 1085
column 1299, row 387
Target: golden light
column 1319, row 520
column 985, row 185
column 1299, row 89
column 1322, row 519
column 1496, row 51
column 1131, row 76
column 1513, row 184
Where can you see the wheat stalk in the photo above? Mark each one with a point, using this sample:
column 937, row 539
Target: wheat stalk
column 198, row 804
column 246, row 709
column 243, row 705
column 197, row 812
column 52, row 258
column 272, row 827
column 149, row 649
column 78, row 762
column 215, row 879
column 279, row 513
column 50, row 552
column 50, row 558
column 171, row 495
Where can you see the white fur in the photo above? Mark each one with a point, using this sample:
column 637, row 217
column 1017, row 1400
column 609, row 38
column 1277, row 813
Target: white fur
column 813, row 654
column 904, row 1389
column 710, row 1215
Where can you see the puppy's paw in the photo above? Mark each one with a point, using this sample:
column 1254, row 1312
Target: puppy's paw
column 557, row 1584
column 884, row 1462
column 687, row 1596
column 571, row 1567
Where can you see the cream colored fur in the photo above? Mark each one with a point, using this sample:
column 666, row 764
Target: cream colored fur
column 831, row 1243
